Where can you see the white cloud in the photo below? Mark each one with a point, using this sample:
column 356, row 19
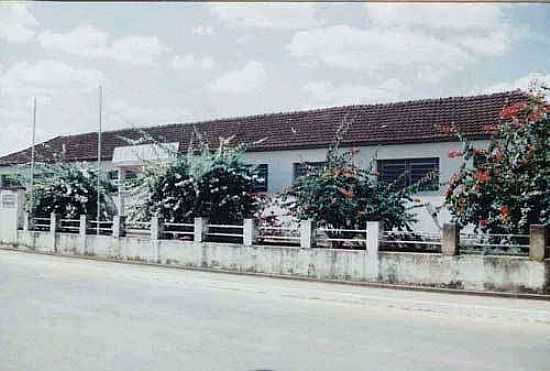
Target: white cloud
column 16, row 22
column 45, row 77
column 374, row 50
column 190, row 61
column 442, row 17
column 121, row 114
column 423, row 41
column 251, row 77
column 267, row 15
column 327, row 93
column 88, row 41
column 62, row 93
column 202, row 30
column 523, row 83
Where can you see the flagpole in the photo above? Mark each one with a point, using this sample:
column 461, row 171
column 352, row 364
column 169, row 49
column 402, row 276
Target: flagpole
column 99, row 162
column 32, row 154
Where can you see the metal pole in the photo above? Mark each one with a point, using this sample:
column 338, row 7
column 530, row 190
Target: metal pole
column 32, row 154
column 99, row 162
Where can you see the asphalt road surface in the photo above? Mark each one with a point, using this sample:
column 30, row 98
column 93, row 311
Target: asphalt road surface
column 69, row 314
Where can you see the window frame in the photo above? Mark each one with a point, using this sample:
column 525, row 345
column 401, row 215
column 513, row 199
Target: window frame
column 258, row 187
column 314, row 164
column 410, row 178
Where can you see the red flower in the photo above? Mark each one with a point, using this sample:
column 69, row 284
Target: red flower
column 504, row 212
column 483, row 223
column 454, row 153
column 482, row 176
column 512, row 110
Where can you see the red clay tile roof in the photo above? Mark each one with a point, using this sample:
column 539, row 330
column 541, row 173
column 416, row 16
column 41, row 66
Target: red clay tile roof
column 421, row 121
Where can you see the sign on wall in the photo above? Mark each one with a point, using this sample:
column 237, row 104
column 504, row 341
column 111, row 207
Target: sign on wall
column 7, row 201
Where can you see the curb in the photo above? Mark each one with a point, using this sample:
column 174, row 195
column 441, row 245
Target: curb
column 441, row 290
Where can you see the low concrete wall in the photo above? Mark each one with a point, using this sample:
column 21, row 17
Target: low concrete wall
column 466, row 272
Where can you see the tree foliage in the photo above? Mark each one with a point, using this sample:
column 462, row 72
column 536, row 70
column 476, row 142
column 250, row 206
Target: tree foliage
column 216, row 184
column 506, row 187
column 343, row 195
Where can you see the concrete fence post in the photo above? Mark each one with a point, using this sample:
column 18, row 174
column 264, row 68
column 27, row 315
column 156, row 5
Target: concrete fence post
column 55, row 221
column 118, row 226
column 249, row 232
column 27, row 222
column 201, row 229
column 82, row 226
column 539, row 242
column 307, row 234
column 450, row 239
column 157, row 228
column 375, row 233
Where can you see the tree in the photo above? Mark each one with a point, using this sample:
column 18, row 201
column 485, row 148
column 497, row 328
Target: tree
column 70, row 190
column 506, row 187
column 201, row 183
column 343, row 195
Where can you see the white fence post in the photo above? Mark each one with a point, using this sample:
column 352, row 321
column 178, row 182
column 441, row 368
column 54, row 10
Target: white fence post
column 157, row 227
column 201, row 228
column 450, row 239
column 249, row 232
column 54, row 223
column 118, row 226
column 82, row 233
column 539, row 241
column 307, row 234
column 375, row 233
column 27, row 221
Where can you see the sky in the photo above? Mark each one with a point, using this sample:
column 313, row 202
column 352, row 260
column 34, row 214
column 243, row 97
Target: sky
column 162, row 63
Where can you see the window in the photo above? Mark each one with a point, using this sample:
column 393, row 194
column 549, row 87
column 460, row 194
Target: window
column 260, row 184
column 301, row 168
column 113, row 176
column 130, row 174
column 406, row 172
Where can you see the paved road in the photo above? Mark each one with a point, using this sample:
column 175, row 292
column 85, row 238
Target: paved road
column 69, row 314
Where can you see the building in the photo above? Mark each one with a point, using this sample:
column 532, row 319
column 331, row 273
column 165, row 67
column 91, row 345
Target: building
column 413, row 137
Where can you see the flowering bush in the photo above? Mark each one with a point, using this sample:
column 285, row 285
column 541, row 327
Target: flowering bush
column 343, row 195
column 70, row 190
column 506, row 187
column 216, row 185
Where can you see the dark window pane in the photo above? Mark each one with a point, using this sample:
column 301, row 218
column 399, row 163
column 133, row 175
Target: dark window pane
column 406, row 172
column 302, row 168
column 262, row 172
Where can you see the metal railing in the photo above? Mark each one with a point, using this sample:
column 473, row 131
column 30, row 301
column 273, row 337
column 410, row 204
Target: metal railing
column 69, row 225
column 278, row 234
column 40, row 224
column 494, row 243
column 342, row 237
column 137, row 227
column 105, row 227
column 179, row 230
column 410, row 241
column 214, row 231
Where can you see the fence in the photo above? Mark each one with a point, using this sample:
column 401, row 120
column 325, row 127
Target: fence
column 495, row 244
column 306, row 235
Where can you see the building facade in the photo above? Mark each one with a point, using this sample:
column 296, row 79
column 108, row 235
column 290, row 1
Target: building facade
column 411, row 137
